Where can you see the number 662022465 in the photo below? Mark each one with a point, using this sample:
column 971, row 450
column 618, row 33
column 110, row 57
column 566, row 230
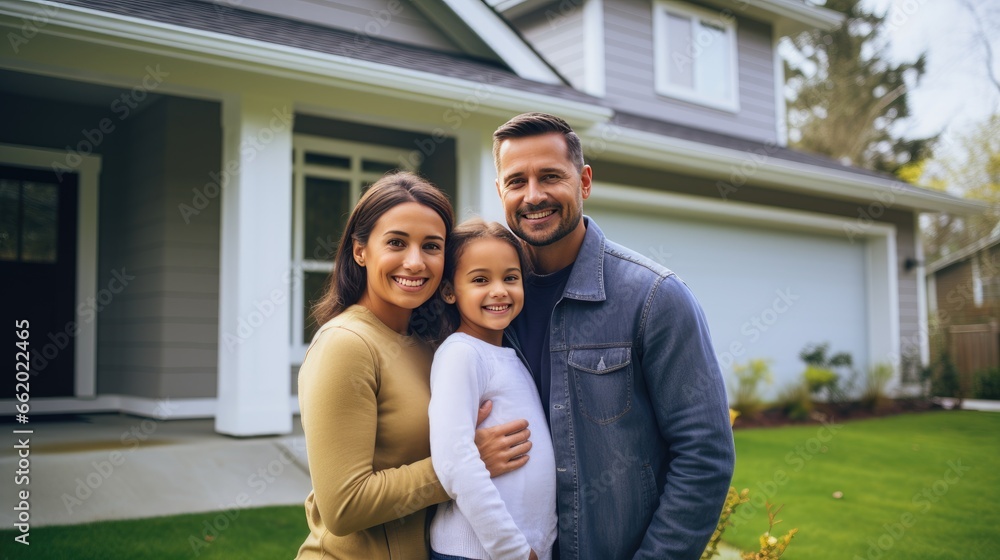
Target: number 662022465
column 22, row 365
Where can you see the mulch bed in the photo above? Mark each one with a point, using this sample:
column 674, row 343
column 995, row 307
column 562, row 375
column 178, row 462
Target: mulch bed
column 827, row 412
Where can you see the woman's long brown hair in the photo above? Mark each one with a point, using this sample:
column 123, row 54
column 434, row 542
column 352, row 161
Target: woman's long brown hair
column 348, row 281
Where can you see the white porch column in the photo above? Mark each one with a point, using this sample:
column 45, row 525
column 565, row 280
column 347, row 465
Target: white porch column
column 255, row 256
column 477, row 192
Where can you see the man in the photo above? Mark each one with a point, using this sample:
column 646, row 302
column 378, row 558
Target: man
column 622, row 357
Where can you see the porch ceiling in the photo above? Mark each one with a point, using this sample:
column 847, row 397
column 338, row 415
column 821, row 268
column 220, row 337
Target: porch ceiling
column 74, row 92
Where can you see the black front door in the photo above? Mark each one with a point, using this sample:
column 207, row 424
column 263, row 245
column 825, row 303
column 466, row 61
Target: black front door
column 38, row 230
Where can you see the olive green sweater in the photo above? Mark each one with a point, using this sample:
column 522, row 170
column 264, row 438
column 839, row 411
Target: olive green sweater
column 363, row 395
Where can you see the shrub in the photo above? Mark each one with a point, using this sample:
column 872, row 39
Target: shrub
column 771, row 547
column 746, row 398
column 818, row 378
column 944, row 379
column 873, row 395
column 839, row 364
column 795, row 401
column 987, row 384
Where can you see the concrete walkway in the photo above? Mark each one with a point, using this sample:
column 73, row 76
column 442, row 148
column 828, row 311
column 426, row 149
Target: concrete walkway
column 106, row 466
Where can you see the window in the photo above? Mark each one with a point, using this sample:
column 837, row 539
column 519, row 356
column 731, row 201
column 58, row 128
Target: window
column 695, row 55
column 328, row 177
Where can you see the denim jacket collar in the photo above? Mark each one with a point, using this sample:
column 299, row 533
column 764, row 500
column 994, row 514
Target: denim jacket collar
column 586, row 281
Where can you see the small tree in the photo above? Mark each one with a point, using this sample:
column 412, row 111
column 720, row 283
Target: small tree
column 827, row 373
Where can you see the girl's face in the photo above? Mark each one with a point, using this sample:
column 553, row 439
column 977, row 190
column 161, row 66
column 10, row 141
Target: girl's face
column 487, row 289
column 404, row 262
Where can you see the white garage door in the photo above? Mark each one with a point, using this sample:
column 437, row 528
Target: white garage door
column 766, row 292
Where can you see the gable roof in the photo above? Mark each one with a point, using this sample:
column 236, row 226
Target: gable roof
column 272, row 44
column 715, row 154
column 788, row 16
column 963, row 253
column 260, row 27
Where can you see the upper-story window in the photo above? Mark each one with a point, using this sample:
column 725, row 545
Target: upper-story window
column 695, row 55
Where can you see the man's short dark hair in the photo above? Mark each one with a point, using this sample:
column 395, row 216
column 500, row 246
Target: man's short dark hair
column 535, row 124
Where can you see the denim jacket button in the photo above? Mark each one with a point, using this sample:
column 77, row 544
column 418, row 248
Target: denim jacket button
column 557, row 406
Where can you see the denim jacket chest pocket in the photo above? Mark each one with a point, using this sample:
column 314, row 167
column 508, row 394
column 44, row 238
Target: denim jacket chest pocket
column 603, row 378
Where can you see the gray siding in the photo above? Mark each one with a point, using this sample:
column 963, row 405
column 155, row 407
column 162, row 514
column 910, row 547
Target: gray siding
column 158, row 338
column 907, row 239
column 392, row 20
column 628, row 32
column 558, row 36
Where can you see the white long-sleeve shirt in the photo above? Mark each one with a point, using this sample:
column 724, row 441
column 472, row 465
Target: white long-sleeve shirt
column 504, row 517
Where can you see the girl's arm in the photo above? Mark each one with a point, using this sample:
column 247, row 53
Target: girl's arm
column 337, row 387
column 458, row 381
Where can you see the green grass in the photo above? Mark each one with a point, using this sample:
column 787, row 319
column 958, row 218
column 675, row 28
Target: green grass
column 879, row 465
column 882, row 466
column 264, row 533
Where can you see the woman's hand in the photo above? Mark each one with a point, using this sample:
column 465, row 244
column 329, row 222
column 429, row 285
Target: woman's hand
column 503, row 448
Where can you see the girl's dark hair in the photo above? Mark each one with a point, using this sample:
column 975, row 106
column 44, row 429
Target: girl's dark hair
column 465, row 233
column 348, row 281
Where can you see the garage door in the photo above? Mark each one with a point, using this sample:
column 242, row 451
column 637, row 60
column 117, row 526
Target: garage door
column 767, row 292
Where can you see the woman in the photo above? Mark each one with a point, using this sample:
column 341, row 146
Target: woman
column 364, row 385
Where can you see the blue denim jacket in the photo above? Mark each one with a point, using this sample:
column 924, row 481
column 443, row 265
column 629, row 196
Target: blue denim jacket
column 638, row 412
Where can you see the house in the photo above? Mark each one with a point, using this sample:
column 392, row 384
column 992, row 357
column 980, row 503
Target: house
column 963, row 290
column 181, row 170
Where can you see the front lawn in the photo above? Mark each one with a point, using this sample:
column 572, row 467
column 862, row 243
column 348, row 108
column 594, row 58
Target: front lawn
column 915, row 486
column 247, row 534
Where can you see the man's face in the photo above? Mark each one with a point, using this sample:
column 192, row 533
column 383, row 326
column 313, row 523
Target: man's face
column 541, row 190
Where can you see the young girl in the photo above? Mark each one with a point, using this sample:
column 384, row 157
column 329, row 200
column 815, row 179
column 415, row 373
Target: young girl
column 513, row 516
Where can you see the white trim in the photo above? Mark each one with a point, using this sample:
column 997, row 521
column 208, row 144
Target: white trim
column 963, row 253
column 610, row 195
column 788, row 16
column 477, row 191
column 882, row 285
column 595, row 74
column 513, row 9
column 254, row 252
column 85, row 347
column 780, row 103
column 676, row 154
column 663, row 59
column 922, row 301
column 502, row 39
column 177, row 409
column 883, row 300
column 356, row 152
column 259, row 57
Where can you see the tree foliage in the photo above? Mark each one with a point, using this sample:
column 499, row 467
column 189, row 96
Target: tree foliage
column 846, row 96
column 972, row 171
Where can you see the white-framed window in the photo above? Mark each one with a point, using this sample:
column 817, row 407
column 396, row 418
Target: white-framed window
column 328, row 177
column 695, row 55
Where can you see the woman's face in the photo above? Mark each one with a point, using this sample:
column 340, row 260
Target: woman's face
column 404, row 262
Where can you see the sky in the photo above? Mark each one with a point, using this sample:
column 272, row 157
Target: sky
column 955, row 92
